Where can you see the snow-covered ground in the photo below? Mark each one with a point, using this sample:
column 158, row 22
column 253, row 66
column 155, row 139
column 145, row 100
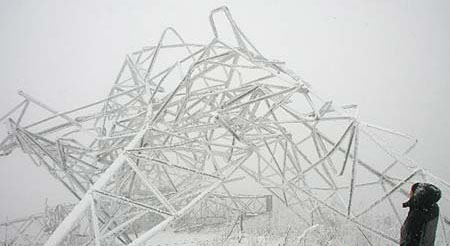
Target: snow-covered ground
column 210, row 239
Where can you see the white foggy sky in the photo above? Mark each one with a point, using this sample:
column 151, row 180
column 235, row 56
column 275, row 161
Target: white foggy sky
column 392, row 58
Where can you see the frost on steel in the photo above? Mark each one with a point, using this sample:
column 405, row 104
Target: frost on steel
column 187, row 127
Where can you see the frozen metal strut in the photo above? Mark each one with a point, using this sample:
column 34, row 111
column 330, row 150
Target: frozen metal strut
column 186, row 124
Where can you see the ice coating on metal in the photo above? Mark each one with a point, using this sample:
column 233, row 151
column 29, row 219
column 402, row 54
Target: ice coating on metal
column 189, row 125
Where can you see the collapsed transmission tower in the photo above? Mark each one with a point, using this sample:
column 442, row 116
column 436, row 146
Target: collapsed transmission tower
column 190, row 124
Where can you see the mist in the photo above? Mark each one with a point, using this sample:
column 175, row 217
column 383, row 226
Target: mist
column 391, row 58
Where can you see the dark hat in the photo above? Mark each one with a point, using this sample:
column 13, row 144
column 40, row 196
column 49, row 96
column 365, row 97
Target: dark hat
column 424, row 195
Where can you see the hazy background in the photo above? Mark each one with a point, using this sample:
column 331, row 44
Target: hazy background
column 392, row 58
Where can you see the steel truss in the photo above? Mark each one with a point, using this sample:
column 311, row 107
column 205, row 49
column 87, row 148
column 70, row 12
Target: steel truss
column 34, row 229
column 184, row 122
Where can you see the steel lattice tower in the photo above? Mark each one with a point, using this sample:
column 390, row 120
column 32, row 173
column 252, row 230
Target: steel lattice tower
column 186, row 124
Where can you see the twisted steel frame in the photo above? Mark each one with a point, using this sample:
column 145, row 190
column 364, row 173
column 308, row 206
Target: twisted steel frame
column 184, row 123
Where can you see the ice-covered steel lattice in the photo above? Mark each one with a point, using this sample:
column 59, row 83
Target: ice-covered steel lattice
column 188, row 123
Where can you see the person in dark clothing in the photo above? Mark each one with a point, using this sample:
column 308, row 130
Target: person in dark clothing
column 419, row 228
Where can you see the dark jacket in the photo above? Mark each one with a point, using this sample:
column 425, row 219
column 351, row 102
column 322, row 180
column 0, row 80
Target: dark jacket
column 419, row 228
